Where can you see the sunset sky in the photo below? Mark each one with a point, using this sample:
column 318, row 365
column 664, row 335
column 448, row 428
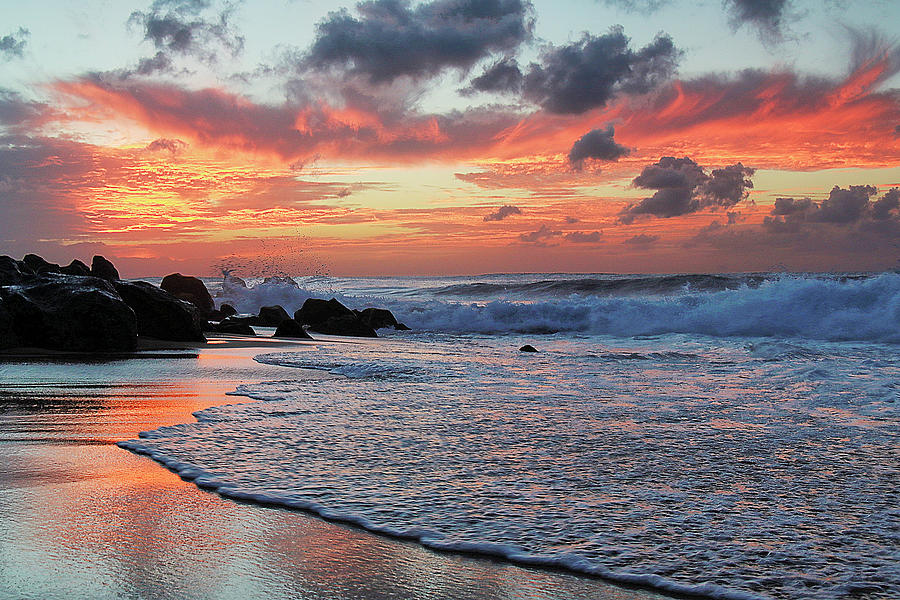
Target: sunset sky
column 452, row 136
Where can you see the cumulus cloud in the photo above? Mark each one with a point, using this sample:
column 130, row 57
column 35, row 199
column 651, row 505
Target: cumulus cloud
column 580, row 237
column 13, row 45
column 393, row 38
column 682, row 187
column 598, row 144
column 586, row 74
column 540, row 236
column 843, row 207
column 182, row 27
column 503, row 212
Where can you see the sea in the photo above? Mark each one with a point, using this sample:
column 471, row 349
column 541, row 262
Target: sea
column 723, row 436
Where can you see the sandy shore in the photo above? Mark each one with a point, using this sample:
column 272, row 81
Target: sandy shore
column 80, row 517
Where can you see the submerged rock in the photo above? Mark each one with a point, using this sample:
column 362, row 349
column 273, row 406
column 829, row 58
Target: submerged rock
column 272, row 316
column 68, row 312
column 102, row 268
column 291, row 329
column 527, row 348
column 161, row 315
column 191, row 289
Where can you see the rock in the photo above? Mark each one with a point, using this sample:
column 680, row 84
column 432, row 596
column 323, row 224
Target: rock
column 272, row 316
column 376, row 318
column 68, row 312
column 315, row 311
column 291, row 329
column 227, row 310
column 39, row 265
column 161, row 315
column 191, row 289
column 76, row 267
column 102, row 268
column 527, row 348
column 11, row 271
column 7, row 335
column 236, row 326
column 349, row 325
column 401, row 327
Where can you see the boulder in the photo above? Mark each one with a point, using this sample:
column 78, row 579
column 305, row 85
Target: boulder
column 376, row 318
column 191, row 289
column 76, row 267
column 272, row 316
column 401, row 327
column 7, row 335
column 161, row 315
column 349, row 325
column 527, row 348
column 102, row 268
column 39, row 265
column 291, row 329
column 236, row 326
column 11, row 272
column 315, row 311
column 68, row 312
column 227, row 310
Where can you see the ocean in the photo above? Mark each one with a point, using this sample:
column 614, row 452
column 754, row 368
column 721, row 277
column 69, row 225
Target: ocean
column 729, row 436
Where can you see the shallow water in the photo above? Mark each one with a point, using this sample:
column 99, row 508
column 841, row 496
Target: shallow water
column 727, row 466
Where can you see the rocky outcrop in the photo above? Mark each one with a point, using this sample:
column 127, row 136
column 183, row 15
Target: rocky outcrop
column 36, row 264
column 102, row 268
column 223, row 312
column 7, row 335
column 11, row 271
column 272, row 316
column 527, row 348
column 76, row 267
column 377, row 318
column 332, row 318
column 69, row 312
column 191, row 289
column 234, row 326
column 291, row 329
column 161, row 315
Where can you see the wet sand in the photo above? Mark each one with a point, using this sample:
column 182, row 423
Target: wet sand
column 81, row 517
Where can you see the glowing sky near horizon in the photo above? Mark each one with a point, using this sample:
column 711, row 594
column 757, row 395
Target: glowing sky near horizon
column 452, row 136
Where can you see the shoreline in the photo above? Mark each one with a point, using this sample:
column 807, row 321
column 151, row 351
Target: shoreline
column 57, row 461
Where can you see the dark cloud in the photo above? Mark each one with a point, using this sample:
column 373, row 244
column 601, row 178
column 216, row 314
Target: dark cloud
column 13, row 45
column 642, row 239
column 580, row 237
column 586, row 74
column 15, row 110
column 598, row 144
column 182, row 27
column 539, row 236
column 393, row 38
column 572, row 220
column 842, row 208
column 683, row 187
column 503, row 76
column 503, row 212
column 159, row 63
column 166, row 145
column 637, row 6
column 767, row 16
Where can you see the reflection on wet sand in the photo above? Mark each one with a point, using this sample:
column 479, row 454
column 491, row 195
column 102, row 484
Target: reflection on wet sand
column 78, row 514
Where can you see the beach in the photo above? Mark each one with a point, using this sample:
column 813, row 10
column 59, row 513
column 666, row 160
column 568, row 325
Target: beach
column 81, row 517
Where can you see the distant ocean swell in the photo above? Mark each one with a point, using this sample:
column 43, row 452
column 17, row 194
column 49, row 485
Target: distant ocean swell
column 834, row 309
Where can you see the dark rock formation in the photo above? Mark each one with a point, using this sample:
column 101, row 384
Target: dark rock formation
column 7, row 335
column 272, row 316
column 235, row 325
column 102, row 268
column 344, row 325
column 191, row 289
column 376, row 318
column 38, row 265
column 68, row 312
column 11, row 271
column 527, row 348
column 161, row 315
column 227, row 310
column 291, row 329
column 76, row 267
column 401, row 327
column 315, row 311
